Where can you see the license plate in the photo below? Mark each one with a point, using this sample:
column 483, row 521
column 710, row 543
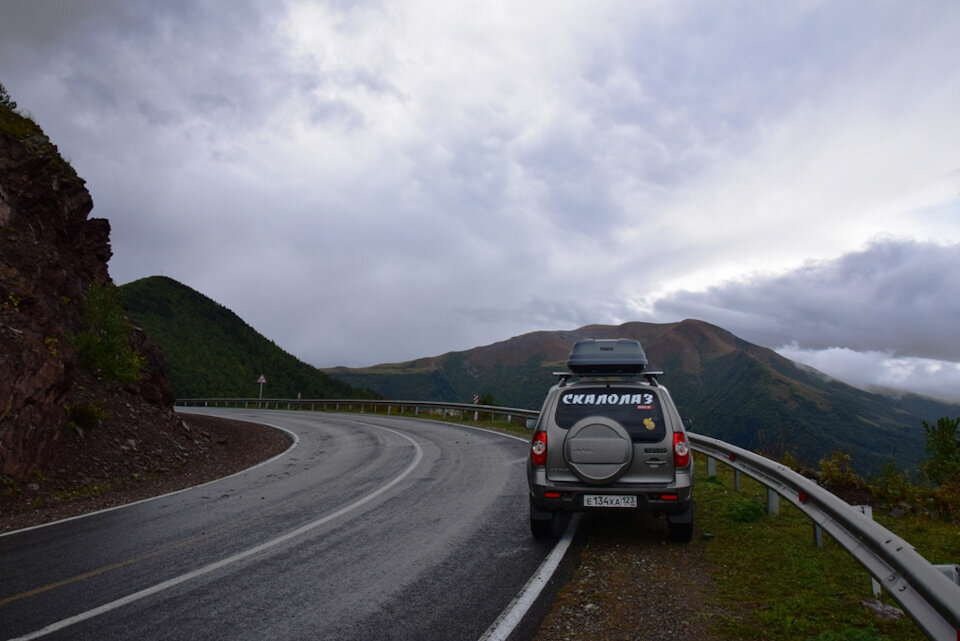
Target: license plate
column 608, row 500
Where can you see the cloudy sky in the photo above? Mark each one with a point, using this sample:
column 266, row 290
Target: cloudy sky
column 366, row 181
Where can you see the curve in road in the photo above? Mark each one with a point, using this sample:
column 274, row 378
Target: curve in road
column 373, row 527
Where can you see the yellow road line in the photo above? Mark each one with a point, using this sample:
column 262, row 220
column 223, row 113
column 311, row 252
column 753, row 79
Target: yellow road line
column 98, row 571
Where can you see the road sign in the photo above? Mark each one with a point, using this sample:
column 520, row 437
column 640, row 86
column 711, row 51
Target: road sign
column 262, row 379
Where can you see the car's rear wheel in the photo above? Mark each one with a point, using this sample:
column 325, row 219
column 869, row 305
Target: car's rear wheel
column 547, row 525
column 680, row 527
column 541, row 528
column 680, row 532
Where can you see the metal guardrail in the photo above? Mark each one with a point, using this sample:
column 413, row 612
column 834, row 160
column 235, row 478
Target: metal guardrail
column 926, row 594
column 347, row 404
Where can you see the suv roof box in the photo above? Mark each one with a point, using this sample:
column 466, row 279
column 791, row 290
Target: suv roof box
column 607, row 356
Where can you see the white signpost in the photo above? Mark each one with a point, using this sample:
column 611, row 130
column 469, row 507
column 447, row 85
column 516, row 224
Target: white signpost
column 261, row 381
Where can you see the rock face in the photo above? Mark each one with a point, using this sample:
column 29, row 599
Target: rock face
column 50, row 254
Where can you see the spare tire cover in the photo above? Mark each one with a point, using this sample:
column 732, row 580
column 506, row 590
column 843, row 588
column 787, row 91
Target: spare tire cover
column 598, row 450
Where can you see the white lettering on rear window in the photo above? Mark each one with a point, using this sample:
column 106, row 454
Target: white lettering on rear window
column 608, row 399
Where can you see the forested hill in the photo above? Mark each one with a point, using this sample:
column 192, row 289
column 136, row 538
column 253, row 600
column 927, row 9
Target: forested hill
column 212, row 352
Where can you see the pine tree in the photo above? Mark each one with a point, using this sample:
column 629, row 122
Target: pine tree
column 6, row 100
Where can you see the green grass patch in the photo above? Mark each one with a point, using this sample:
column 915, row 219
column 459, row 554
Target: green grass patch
column 772, row 582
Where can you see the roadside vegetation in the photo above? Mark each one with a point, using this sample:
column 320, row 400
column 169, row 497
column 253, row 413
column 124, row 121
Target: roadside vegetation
column 104, row 341
column 772, row 582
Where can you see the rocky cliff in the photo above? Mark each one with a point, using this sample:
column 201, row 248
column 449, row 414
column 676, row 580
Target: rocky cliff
column 59, row 413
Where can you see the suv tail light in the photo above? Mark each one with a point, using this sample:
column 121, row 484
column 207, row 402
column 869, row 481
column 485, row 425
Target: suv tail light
column 538, row 449
column 681, row 450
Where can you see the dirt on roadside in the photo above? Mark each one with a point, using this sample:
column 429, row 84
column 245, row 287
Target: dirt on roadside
column 222, row 447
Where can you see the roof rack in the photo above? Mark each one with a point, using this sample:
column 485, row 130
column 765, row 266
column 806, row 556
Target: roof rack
column 649, row 374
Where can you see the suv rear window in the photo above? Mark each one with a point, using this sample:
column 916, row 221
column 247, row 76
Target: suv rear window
column 638, row 411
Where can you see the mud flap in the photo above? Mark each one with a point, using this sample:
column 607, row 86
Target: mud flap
column 682, row 517
column 538, row 514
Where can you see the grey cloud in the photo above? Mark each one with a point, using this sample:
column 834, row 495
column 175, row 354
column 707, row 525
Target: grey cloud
column 899, row 296
column 545, row 313
column 454, row 228
column 336, row 113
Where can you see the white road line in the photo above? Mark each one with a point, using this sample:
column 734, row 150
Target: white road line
column 160, row 587
column 517, row 609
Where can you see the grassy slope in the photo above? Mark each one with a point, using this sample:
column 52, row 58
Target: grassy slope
column 773, row 583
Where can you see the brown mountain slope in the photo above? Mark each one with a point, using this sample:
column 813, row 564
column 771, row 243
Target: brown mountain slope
column 732, row 389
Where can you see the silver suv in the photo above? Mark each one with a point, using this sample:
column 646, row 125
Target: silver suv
column 609, row 438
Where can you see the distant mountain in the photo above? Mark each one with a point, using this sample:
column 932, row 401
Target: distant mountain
column 213, row 353
column 733, row 390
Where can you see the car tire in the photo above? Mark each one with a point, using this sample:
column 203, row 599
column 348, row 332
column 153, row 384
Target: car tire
column 541, row 528
column 549, row 528
column 680, row 532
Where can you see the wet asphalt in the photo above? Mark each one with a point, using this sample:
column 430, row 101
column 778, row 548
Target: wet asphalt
column 371, row 527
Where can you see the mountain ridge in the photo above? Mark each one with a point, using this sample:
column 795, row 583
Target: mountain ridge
column 734, row 390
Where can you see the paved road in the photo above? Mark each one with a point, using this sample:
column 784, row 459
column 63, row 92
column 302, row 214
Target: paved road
column 369, row 528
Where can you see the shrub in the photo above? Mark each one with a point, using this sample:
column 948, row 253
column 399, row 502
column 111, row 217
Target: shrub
column 86, row 416
column 894, row 486
column 836, row 473
column 6, row 100
column 104, row 342
column 943, row 450
column 8, row 487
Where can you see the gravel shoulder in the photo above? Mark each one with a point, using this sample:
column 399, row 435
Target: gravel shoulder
column 631, row 584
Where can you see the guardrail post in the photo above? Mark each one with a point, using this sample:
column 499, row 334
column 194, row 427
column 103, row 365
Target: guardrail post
column 867, row 511
column 736, row 480
column 711, row 466
column 817, row 535
column 952, row 572
column 773, row 502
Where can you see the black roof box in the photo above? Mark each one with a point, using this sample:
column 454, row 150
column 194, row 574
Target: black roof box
column 607, row 356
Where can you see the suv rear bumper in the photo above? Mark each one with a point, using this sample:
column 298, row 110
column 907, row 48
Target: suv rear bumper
column 666, row 500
